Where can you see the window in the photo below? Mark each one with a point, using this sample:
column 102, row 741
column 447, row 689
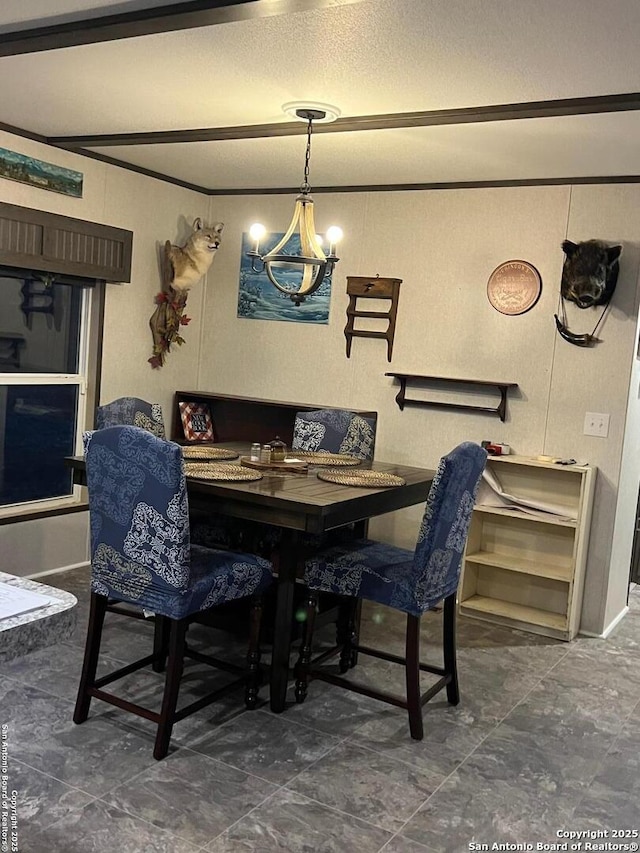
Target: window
column 44, row 364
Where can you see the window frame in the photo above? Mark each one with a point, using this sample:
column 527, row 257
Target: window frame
column 87, row 382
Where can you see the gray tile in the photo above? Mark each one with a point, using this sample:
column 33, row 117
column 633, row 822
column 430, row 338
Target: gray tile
column 492, row 683
column 126, row 639
column 471, row 806
column 568, row 708
column 367, row 785
column 99, row 828
column 608, row 665
column 41, row 800
column 547, row 734
column 292, row 823
column 544, row 768
column 626, row 635
column 265, row 744
column 191, row 796
column 450, row 734
column 400, row 844
column 334, row 710
column 76, row 581
column 612, row 799
column 57, row 669
column 95, row 756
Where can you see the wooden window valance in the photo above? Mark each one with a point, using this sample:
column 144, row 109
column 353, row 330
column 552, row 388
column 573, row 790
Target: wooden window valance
column 38, row 240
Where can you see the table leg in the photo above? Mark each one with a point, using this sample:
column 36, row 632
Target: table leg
column 288, row 559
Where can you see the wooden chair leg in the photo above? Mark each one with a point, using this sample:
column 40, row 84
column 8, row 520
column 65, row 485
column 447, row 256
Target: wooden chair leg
column 356, row 634
column 412, row 672
column 449, row 648
column 160, row 642
column 302, row 667
column 254, row 674
column 91, row 652
column 346, row 635
column 175, row 664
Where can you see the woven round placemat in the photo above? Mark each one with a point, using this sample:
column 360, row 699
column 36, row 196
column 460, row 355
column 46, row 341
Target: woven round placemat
column 211, row 471
column 323, row 457
column 208, row 453
column 373, row 479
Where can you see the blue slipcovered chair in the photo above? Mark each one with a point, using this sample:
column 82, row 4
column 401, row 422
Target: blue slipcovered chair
column 131, row 411
column 412, row 582
column 141, row 555
column 336, row 431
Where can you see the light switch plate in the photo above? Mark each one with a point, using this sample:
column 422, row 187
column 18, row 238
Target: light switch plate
column 596, row 423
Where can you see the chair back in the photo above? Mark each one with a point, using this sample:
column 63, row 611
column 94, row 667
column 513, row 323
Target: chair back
column 336, row 431
column 139, row 516
column 131, row 411
column 445, row 525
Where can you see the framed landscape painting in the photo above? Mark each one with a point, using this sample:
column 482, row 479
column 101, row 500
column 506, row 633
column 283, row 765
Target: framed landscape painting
column 37, row 173
column 258, row 299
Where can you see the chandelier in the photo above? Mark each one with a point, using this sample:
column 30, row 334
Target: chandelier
column 299, row 271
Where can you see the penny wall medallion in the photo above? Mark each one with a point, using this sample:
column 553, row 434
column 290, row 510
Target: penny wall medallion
column 514, row 287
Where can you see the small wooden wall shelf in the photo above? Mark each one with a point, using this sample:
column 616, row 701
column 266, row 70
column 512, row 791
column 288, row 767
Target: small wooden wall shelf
column 500, row 410
column 361, row 287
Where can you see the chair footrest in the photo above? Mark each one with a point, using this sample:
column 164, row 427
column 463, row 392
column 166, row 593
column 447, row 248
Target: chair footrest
column 377, row 653
column 208, row 699
column 125, row 670
column 124, row 704
column 354, row 687
column 224, row 665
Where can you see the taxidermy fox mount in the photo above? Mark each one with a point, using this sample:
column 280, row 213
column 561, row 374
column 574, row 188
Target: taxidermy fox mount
column 183, row 266
column 187, row 264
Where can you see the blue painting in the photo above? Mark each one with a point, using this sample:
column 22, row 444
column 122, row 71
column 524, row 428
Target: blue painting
column 258, row 299
column 37, row 173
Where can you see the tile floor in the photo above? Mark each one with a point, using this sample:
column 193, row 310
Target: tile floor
column 546, row 738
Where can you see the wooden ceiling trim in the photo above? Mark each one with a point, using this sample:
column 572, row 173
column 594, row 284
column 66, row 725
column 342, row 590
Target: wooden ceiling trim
column 19, row 131
column 442, row 185
column 627, row 101
column 143, row 22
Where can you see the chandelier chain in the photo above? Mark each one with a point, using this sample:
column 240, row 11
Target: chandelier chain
column 305, row 187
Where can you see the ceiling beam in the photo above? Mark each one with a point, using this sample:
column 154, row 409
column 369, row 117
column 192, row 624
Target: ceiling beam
column 144, row 22
column 430, row 118
column 444, row 185
column 440, row 185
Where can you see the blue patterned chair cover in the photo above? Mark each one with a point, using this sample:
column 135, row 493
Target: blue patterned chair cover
column 336, row 431
column 140, row 537
column 131, row 411
column 411, row 581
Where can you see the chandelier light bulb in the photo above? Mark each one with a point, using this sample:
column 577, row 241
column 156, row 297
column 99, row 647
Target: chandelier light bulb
column 257, row 232
column 334, row 235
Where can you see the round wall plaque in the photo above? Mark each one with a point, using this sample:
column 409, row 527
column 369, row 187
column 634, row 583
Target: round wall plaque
column 514, row 287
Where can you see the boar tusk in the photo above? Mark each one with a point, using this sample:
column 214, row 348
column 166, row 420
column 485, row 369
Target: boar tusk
column 584, row 340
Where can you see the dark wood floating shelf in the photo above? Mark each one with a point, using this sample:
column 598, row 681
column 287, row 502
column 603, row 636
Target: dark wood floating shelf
column 500, row 410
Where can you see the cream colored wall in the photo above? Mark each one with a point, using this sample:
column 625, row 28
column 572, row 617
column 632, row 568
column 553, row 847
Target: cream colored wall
column 444, row 245
column 155, row 211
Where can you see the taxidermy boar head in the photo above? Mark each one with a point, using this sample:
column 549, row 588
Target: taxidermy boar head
column 590, row 272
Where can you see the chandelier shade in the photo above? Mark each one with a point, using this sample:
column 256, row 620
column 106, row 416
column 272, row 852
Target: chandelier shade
column 309, row 263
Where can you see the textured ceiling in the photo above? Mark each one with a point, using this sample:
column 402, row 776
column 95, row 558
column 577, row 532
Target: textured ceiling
column 368, row 58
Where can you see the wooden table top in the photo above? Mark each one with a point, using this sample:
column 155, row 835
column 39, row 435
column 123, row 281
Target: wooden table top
column 302, row 501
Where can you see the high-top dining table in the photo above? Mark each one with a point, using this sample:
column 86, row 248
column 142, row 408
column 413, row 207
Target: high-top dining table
column 297, row 503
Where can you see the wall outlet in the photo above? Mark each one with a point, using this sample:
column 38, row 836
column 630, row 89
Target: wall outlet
column 596, row 423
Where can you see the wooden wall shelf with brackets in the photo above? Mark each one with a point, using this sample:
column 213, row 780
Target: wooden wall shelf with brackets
column 502, row 387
